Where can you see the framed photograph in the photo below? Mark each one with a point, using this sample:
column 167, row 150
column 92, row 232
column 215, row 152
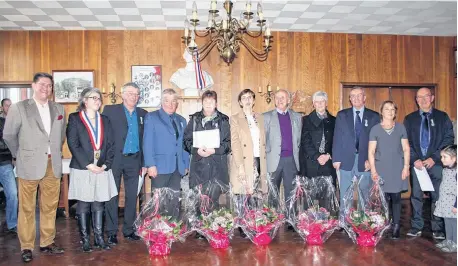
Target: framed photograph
column 149, row 79
column 68, row 84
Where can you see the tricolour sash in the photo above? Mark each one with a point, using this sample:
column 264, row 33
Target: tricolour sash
column 95, row 133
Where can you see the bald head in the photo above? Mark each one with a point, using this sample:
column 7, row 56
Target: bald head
column 425, row 99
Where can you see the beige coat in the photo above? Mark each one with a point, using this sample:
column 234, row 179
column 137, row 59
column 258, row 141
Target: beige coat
column 242, row 153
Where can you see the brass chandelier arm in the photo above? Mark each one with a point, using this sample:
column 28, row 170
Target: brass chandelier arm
column 204, row 54
column 254, row 34
column 249, row 46
column 258, row 56
column 204, row 33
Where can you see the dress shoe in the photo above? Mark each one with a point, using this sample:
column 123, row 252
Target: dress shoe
column 52, row 249
column 112, row 240
column 438, row 235
column 199, row 236
column 26, row 255
column 242, row 234
column 132, row 236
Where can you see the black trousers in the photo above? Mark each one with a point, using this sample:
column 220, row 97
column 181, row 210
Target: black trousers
column 170, row 202
column 416, row 199
column 129, row 169
column 394, row 204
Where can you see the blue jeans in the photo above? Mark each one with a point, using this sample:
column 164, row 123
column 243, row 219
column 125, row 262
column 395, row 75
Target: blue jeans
column 346, row 179
column 8, row 181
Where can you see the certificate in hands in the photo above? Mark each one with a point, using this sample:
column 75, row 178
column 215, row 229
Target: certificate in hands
column 424, row 179
column 206, row 138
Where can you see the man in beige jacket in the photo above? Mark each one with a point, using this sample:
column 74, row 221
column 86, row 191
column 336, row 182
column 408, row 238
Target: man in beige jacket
column 34, row 132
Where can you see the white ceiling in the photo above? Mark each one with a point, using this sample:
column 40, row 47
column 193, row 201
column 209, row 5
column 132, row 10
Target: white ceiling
column 434, row 18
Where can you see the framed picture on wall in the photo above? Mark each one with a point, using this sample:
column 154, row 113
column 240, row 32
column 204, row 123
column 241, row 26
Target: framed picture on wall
column 149, row 79
column 68, row 84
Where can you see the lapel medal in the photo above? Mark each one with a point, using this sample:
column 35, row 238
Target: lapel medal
column 365, row 123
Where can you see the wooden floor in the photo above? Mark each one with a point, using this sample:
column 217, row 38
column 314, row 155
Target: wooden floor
column 286, row 249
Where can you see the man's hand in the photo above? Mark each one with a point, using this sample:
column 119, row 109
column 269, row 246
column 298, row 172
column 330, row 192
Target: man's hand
column 323, row 159
column 428, row 163
column 203, row 152
column 152, row 171
column 367, row 166
column 418, row 164
column 336, row 165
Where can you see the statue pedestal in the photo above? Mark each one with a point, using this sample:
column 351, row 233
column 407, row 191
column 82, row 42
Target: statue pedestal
column 191, row 92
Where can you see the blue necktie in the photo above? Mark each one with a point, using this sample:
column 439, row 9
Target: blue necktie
column 174, row 127
column 358, row 127
column 424, row 140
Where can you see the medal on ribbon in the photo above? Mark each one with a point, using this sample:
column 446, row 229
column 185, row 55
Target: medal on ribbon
column 95, row 132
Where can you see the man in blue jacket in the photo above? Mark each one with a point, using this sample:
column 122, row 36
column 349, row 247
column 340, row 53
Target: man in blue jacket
column 429, row 130
column 163, row 151
column 350, row 143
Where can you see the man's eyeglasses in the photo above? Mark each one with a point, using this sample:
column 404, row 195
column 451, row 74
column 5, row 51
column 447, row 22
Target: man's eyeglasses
column 130, row 94
column 424, row 97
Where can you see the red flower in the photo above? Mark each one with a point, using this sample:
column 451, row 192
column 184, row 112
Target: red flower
column 60, row 117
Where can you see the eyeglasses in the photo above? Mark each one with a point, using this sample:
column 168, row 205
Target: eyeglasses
column 45, row 85
column 424, row 97
column 131, row 94
column 357, row 96
column 95, row 98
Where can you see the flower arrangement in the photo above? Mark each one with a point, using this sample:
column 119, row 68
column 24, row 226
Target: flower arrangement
column 159, row 232
column 216, row 227
column 261, row 222
column 366, row 224
column 314, row 223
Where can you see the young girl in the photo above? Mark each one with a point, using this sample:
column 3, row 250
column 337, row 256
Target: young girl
column 446, row 205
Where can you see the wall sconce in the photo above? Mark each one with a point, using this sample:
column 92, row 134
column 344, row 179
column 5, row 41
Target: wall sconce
column 112, row 94
column 269, row 94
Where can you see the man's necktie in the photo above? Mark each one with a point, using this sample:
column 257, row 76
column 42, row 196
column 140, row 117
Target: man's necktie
column 174, row 127
column 358, row 128
column 424, row 141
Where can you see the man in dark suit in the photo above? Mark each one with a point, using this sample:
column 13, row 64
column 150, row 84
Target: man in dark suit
column 429, row 130
column 350, row 144
column 127, row 124
column 165, row 157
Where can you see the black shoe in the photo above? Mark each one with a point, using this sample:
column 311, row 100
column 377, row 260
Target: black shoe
column 199, row 236
column 112, row 240
column 289, row 228
column 52, row 249
column 26, row 255
column 83, row 225
column 132, row 237
column 414, row 232
column 438, row 235
column 97, row 224
column 242, row 234
column 396, row 231
column 12, row 231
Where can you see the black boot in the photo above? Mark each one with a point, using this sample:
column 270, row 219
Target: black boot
column 83, row 224
column 97, row 223
column 396, row 231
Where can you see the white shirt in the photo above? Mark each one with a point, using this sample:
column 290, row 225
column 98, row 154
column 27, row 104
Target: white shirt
column 43, row 110
column 254, row 130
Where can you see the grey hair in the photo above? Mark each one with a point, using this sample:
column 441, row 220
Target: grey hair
column 319, row 94
column 84, row 94
column 130, row 84
column 358, row 88
column 285, row 91
column 169, row 91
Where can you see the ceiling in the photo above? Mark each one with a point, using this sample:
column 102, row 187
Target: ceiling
column 431, row 18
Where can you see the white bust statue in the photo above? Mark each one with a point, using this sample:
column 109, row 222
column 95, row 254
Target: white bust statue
column 185, row 78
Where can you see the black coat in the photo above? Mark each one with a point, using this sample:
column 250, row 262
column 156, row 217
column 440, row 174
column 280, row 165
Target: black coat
column 118, row 121
column 312, row 132
column 213, row 167
column 441, row 130
column 80, row 146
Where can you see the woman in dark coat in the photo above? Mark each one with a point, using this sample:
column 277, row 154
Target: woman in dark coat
column 208, row 165
column 90, row 141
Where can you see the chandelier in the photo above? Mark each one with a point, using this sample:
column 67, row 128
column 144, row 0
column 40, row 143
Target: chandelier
column 227, row 33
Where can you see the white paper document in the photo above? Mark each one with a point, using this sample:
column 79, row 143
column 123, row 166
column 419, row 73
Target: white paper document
column 141, row 178
column 424, row 179
column 206, row 138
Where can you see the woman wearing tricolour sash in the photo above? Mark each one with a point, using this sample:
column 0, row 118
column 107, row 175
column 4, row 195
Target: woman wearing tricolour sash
column 90, row 141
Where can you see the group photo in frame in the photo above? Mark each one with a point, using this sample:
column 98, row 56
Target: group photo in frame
column 68, row 84
column 149, row 79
